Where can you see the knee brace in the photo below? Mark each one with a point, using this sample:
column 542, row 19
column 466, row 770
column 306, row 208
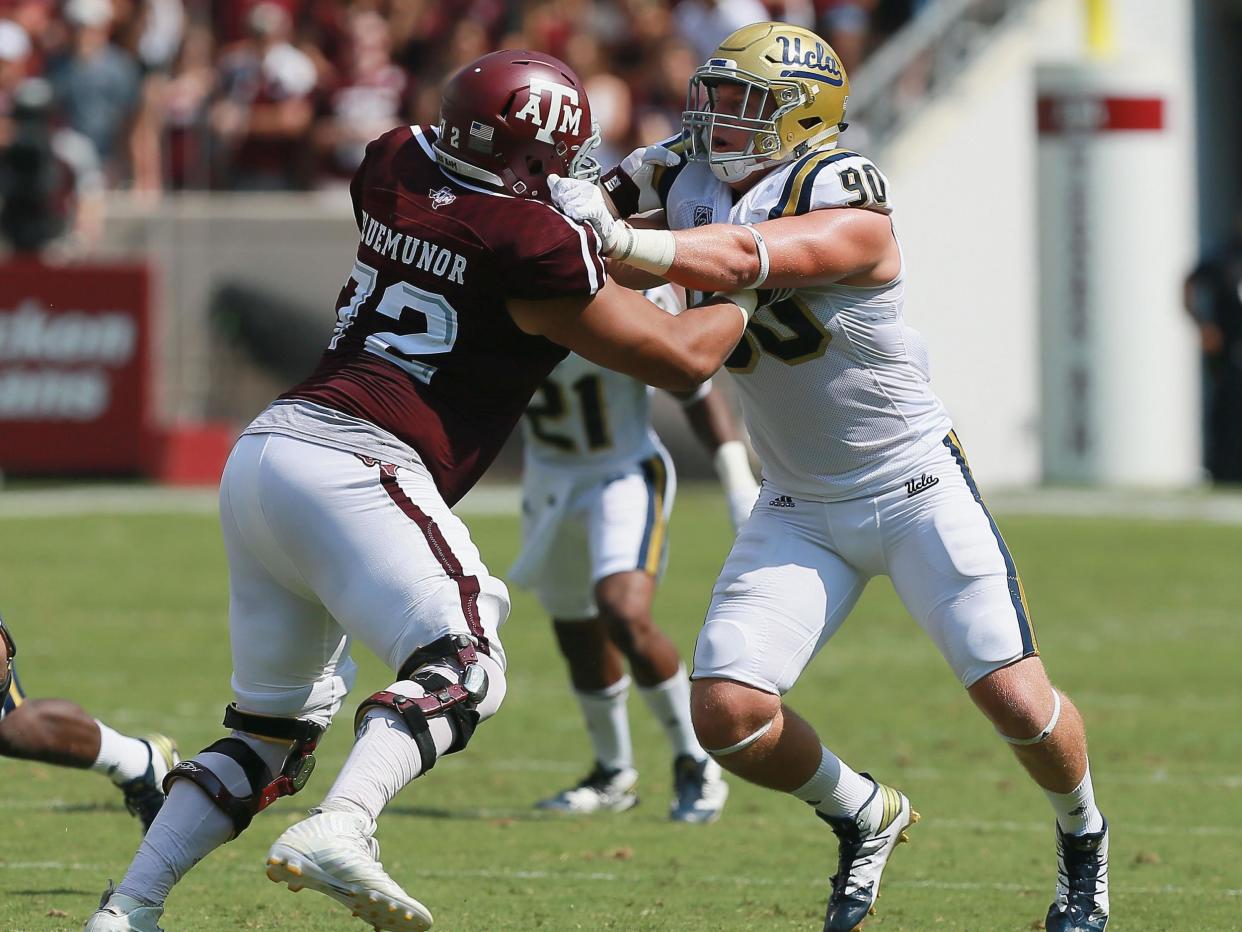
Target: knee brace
column 265, row 788
column 457, row 701
column 1043, row 735
column 744, row 743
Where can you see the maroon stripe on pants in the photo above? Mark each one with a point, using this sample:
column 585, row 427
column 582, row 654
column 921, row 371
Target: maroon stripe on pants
column 467, row 586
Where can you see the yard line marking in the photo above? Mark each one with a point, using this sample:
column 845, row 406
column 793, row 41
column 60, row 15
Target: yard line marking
column 532, row 815
column 559, row 876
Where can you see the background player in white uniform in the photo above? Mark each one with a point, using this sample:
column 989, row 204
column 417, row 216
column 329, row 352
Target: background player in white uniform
column 863, row 475
column 598, row 489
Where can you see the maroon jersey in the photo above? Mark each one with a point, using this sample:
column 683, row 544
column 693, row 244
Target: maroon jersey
column 424, row 346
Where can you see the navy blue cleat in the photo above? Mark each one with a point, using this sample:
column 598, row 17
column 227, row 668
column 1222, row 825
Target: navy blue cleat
column 144, row 795
column 863, row 852
column 1082, row 883
column 699, row 790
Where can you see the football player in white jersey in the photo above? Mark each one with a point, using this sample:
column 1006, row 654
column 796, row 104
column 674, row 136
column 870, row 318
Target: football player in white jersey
column 862, row 473
column 598, row 488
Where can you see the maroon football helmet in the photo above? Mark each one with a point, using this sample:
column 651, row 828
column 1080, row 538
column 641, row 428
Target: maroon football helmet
column 511, row 118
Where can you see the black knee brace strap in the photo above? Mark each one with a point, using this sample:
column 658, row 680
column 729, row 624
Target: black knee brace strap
column 458, row 701
column 458, row 646
column 264, row 789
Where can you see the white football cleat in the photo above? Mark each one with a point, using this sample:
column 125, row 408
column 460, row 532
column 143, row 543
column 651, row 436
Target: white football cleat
column 700, row 790
column 601, row 790
column 333, row 853
column 120, row 913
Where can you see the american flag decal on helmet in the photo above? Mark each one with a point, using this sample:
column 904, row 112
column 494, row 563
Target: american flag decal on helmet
column 481, row 137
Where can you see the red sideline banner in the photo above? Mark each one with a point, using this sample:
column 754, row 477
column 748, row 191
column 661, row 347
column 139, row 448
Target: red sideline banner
column 1093, row 114
column 75, row 383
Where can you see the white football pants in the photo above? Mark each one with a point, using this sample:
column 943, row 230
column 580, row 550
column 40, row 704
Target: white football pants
column 324, row 547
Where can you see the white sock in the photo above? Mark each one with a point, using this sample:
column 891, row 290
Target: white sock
column 191, row 826
column 1076, row 810
column 121, row 757
column 835, row 789
column 669, row 702
column 385, row 758
column 608, row 723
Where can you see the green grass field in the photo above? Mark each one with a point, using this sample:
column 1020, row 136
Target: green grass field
column 1139, row 621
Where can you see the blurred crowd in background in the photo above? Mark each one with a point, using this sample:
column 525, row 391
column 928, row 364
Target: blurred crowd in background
column 160, row 95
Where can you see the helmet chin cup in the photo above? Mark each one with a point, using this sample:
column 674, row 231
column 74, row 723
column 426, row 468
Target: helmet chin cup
column 737, row 169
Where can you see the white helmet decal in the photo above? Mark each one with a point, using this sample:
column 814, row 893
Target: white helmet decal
column 563, row 109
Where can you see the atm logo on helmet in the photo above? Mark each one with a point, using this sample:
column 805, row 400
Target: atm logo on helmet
column 826, row 68
column 563, row 109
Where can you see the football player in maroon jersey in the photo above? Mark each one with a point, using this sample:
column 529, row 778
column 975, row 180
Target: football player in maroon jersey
column 468, row 287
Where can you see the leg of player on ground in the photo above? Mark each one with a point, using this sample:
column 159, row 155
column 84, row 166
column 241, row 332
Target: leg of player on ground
column 57, row 731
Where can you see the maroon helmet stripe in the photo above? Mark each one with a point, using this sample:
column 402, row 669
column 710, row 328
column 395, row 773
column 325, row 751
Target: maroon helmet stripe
column 467, row 586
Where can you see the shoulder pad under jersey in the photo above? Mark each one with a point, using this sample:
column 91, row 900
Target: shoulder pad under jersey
column 832, row 178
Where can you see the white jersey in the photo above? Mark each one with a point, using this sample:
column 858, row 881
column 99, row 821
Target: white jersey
column 835, row 385
column 588, row 418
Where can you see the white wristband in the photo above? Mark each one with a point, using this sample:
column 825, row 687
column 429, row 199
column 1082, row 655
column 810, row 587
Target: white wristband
column 649, row 250
column 763, row 256
column 732, row 463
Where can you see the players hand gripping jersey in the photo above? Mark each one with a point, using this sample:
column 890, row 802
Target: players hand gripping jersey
column 875, row 415
column 424, row 353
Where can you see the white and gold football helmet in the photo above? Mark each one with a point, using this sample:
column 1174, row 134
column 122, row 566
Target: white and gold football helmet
column 779, row 88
